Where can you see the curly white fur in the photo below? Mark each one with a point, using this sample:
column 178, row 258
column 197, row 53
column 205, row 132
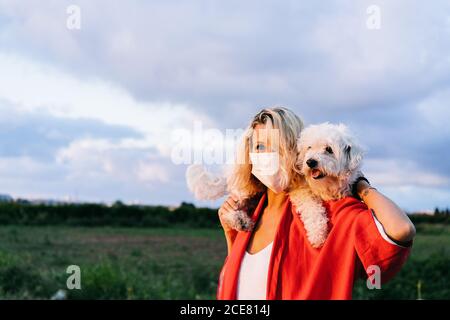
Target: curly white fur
column 207, row 186
column 313, row 215
column 337, row 156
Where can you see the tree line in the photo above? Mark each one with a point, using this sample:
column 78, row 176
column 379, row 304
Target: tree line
column 123, row 215
column 118, row 214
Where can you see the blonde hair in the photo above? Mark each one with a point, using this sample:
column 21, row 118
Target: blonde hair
column 289, row 125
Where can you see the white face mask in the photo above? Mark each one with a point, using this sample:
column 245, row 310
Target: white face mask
column 266, row 167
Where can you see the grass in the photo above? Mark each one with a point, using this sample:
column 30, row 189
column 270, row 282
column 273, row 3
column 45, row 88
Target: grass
column 140, row 263
column 428, row 267
column 116, row 263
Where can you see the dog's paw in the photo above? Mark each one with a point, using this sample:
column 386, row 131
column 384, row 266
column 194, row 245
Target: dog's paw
column 239, row 221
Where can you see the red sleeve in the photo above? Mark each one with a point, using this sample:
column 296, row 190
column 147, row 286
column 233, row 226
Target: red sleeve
column 373, row 250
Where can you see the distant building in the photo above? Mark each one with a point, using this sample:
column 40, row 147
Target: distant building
column 6, row 198
column 48, row 202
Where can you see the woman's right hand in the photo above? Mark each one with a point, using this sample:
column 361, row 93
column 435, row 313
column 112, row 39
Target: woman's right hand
column 228, row 207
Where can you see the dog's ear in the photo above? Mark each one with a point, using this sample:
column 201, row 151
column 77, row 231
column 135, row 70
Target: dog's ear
column 300, row 155
column 354, row 155
column 347, row 149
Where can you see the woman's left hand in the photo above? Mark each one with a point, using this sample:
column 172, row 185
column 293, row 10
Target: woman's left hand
column 394, row 220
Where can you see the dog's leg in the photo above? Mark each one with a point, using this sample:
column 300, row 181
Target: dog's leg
column 239, row 220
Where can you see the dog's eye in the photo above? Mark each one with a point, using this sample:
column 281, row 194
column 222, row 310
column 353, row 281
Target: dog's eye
column 329, row 150
column 309, row 147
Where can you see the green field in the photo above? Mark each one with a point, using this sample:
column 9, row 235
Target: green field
column 151, row 263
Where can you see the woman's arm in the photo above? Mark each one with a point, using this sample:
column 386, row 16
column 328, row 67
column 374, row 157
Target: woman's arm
column 395, row 222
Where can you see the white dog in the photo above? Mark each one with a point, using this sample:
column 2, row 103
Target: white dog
column 330, row 159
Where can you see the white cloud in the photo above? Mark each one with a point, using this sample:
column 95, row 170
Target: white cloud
column 418, row 199
column 218, row 53
column 124, row 161
column 397, row 172
column 24, row 176
column 116, row 167
column 151, row 172
column 412, row 187
column 435, row 111
column 32, row 86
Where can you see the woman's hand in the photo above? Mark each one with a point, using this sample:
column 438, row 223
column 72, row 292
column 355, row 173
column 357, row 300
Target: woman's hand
column 394, row 220
column 228, row 207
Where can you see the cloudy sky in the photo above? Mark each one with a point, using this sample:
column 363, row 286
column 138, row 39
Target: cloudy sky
column 90, row 114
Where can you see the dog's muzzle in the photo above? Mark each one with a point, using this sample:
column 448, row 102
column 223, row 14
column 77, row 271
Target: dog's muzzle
column 315, row 173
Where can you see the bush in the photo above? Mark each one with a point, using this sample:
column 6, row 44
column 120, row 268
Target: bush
column 119, row 214
column 103, row 281
column 19, row 280
column 432, row 274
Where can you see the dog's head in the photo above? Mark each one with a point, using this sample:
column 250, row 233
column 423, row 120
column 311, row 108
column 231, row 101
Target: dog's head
column 329, row 158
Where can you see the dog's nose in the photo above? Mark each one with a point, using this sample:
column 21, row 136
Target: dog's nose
column 311, row 163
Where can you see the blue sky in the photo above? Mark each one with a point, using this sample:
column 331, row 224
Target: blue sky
column 89, row 114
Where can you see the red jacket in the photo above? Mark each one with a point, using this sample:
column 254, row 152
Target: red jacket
column 299, row 271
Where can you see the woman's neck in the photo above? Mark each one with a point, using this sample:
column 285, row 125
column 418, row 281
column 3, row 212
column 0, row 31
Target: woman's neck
column 275, row 200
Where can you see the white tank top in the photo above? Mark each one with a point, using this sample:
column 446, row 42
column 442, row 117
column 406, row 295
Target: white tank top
column 252, row 283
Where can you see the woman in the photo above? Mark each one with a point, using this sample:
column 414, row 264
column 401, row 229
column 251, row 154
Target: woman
column 275, row 260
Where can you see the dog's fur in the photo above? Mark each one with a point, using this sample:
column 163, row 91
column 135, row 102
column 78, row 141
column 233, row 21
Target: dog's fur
column 207, row 186
column 339, row 171
column 337, row 158
column 312, row 213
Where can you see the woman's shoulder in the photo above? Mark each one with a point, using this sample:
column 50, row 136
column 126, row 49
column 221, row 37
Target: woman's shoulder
column 349, row 213
column 350, row 206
